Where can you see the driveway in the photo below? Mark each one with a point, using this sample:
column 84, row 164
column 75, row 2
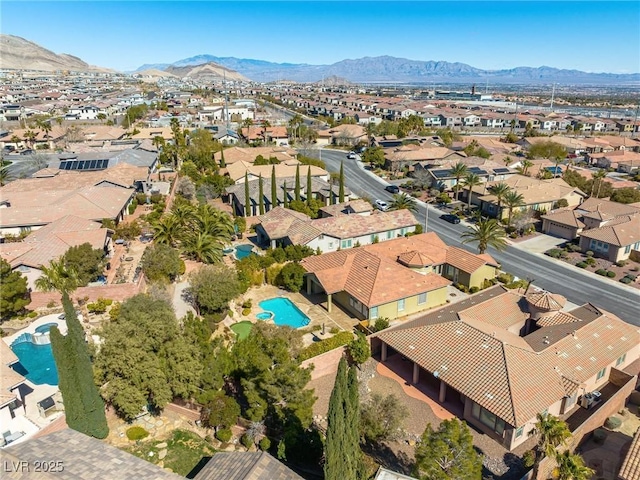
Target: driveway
column 179, row 304
column 541, row 243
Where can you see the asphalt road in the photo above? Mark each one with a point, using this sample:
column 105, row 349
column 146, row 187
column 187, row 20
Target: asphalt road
column 578, row 286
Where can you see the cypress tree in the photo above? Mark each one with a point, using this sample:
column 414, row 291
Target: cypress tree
column 309, row 189
column 352, row 421
column 222, row 162
column 84, row 408
column 261, row 195
column 336, row 466
column 296, row 192
column 285, row 200
column 274, row 188
column 332, row 200
column 247, row 198
column 341, row 191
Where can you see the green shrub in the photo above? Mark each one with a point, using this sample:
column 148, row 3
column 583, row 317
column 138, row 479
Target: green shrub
column 634, row 398
column 32, row 314
column 141, row 198
column 315, row 349
column 247, row 441
column 156, row 198
column 132, row 207
column 555, row 253
column 246, row 311
column 224, row 435
column 611, row 274
column 461, row 287
column 292, row 276
column 99, row 306
column 601, row 271
column 334, row 330
column 589, row 253
column 380, row 324
column 625, row 280
column 581, row 264
column 590, row 261
column 613, row 423
column 418, row 231
column 572, row 247
column 529, row 458
column 265, row 444
column 516, row 284
column 273, row 274
column 599, row 435
column 474, row 290
column 505, row 277
column 247, row 303
column 621, row 263
column 136, row 433
column 635, row 269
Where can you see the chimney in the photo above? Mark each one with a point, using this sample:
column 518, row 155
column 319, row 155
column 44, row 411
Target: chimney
column 473, row 89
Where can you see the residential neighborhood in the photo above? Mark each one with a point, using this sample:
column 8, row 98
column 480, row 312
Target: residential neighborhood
column 209, row 276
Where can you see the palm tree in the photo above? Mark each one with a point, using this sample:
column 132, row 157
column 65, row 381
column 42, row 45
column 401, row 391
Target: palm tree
column 57, row 277
column 571, row 467
column 101, row 116
column 295, row 123
column 5, row 175
column 167, row 230
column 488, row 233
column 458, row 171
column 512, row 200
column 599, row 176
column 471, row 180
column 402, row 201
column 499, row 190
column 525, row 166
column 265, row 125
column 214, row 222
column 203, row 247
column 552, row 432
column 30, row 136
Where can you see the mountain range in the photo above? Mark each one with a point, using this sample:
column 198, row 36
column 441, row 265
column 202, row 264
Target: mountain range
column 392, row 69
column 18, row 53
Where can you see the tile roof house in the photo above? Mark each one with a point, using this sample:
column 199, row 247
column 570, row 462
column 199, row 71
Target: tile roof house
column 11, row 400
column 236, row 171
column 51, row 242
column 615, row 240
column 592, row 213
column 537, row 194
column 320, row 190
column 396, row 277
column 630, row 469
column 245, row 466
column 501, row 357
column 285, row 227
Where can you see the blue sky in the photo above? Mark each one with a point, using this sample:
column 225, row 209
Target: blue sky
column 590, row 36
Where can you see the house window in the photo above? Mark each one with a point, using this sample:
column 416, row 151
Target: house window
column 346, row 243
column 25, row 230
column 401, row 305
column 519, row 432
column 621, row 359
column 373, row 239
column 627, row 249
column 389, row 234
column 487, row 418
column 422, row 298
column 373, row 313
column 601, row 373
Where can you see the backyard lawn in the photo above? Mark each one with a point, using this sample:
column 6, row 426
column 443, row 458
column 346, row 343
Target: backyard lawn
column 242, row 329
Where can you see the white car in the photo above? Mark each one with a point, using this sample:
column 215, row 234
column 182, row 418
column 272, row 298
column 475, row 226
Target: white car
column 381, row 205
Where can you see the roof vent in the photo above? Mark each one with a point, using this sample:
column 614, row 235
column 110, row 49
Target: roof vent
column 545, row 341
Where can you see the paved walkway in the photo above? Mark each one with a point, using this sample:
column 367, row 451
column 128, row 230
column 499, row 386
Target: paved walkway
column 540, row 243
column 179, row 305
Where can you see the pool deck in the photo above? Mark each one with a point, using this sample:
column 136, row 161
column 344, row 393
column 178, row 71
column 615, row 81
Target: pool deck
column 32, row 422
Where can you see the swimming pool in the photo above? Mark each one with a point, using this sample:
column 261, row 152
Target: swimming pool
column 285, row 312
column 243, row 251
column 36, row 360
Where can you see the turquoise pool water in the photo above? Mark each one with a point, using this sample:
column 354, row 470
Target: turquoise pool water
column 35, row 361
column 243, row 251
column 264, row 316
column 285, row 312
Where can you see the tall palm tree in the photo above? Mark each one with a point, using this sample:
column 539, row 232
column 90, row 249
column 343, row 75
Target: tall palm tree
column 599, row 177
column 458, row 171
column 30, row 137
column 402, row 201
column 525, row 166
column 265, row 125
column 295, row 123
column 471, row 180
column 57, row 277
column 488, row 233
column 214, row 222
column 203, row 247
column 571, row 467
column 512, row 200
column 167, row 230
column 499, row 190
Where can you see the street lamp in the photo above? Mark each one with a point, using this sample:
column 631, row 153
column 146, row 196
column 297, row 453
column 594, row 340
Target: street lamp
column 426, row 214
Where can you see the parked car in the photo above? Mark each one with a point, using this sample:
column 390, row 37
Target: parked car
column 392, row 189
column 448, row 217
column 381, row 205
column 351, row 156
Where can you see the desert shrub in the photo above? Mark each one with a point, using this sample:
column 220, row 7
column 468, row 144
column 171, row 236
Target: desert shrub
column 474, row 290
column 264, row 444
column 572, row 247
column 247, row 303
column 529, row 458
column 488, row 282
column 334, row 330
column 99, row 306
column 224, row 435
column 516, row 284
column 141, row 198
column 621, row 263
column 132, row 207
column 32, row 314
column 611, row 274
column 635, row 269
column 555, row 253
column 590, row 261
column 581, row 265
column 136, row 433
column 315, row 349
column 601, row 271
column 625, row 280
column 505, row 278
column 246, row 311
column 247, row 441
column 461, row 287
column 589, row 253
column 599, row 435
column 612, row 423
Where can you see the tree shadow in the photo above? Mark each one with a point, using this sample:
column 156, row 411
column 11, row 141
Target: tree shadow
column 385, row 456
column 515, row 469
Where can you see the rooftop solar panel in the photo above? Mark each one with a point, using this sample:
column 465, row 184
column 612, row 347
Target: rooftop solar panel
column 501, row 170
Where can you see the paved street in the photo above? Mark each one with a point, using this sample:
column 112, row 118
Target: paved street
column 578, row 286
